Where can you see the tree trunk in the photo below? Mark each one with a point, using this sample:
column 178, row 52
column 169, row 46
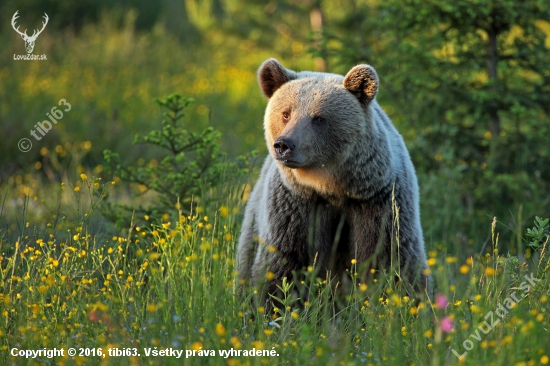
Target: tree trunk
column 494, row 127
column 316, row 19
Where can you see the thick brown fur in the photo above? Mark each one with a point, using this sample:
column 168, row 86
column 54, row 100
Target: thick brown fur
column 325, row 195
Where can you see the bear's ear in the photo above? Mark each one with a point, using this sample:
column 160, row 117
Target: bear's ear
column 362, row 81
column 271, row 75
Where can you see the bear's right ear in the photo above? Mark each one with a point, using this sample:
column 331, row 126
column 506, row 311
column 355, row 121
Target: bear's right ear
column 272, row 75
column 362, row 81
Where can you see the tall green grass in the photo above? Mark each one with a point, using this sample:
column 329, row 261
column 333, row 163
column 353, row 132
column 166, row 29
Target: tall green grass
column 110, row 72
column 172, row 284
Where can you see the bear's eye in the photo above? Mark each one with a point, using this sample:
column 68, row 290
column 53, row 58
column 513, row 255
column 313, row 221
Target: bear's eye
column 286, row 116
column 318, row 120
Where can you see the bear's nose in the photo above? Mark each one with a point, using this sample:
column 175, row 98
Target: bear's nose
column 283, row 147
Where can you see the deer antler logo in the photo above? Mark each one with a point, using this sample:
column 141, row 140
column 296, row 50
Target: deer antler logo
column 29, row 41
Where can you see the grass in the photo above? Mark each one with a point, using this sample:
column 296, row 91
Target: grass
column 171, row 284
column 111, row 101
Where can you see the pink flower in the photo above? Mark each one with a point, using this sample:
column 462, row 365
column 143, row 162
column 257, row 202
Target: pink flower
column 441, row 301
column 447, row 324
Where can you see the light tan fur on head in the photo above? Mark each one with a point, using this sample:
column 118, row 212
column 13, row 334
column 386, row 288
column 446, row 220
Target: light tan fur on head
column 320, row 148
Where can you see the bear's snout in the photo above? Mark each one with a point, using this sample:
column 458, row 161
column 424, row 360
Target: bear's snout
column 283, row 148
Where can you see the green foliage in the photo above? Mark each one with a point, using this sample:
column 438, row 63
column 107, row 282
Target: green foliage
column 476, row 125
column 191, row 164
column 106, row 73
column 73, row 15
column 467, row 85
column 174, row 286
column 539, row 234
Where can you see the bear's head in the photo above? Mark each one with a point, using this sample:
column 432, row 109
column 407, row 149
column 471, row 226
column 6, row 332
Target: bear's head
column 314, row 121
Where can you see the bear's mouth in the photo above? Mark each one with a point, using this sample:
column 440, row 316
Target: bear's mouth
column 290, row 163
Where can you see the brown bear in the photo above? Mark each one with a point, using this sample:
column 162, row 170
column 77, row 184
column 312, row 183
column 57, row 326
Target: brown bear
column 328, row 190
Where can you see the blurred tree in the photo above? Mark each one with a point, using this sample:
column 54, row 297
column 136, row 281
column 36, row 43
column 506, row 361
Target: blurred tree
column 75, row 14
column 278, row 26
column 470, row 83
column 191, row 165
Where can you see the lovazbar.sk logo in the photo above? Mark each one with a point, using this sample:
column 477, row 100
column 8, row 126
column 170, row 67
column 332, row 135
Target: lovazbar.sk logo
column 29, row 40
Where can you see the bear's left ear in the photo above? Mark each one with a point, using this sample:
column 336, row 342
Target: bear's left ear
column 362, row 81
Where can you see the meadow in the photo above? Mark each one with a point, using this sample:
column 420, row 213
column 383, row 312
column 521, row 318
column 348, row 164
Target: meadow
column 171, row 284
column 125, row 252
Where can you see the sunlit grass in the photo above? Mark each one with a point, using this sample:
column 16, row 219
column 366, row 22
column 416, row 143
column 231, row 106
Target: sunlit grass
column 101, row 73
column 172, row 284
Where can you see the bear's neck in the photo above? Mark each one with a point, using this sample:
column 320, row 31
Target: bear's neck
column 366, row 175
